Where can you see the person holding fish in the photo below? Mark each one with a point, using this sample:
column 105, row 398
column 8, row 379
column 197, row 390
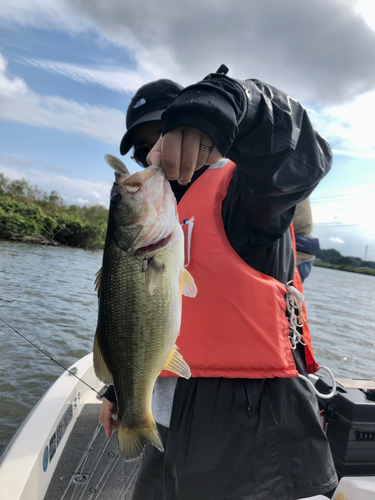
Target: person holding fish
column 233, row 418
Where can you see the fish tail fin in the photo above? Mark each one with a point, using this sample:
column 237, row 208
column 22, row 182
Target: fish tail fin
column 132, row 440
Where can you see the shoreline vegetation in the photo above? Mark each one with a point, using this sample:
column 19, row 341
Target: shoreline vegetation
column 332, row 259
column 29, row 214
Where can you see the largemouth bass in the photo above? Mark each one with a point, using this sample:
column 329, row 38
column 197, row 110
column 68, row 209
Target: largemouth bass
column 140, row 287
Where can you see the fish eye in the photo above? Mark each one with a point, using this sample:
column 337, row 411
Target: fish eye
column 116, row 198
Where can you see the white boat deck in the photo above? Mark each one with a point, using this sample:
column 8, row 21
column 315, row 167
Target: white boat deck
column 61, row 451
column 90, row 467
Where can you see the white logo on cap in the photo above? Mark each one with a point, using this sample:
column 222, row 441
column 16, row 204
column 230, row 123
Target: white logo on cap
column 139, row 103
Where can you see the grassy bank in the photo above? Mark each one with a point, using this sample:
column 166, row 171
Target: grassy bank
column 29, row 214
column 344, row 267
column 333, row 259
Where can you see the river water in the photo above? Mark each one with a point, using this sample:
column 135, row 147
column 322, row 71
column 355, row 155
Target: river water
column 47, row 294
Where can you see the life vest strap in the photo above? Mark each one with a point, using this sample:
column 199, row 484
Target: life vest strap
column 190, row 226
column 294, row 300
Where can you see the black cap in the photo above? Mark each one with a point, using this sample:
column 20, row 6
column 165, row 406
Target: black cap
column 148, row 104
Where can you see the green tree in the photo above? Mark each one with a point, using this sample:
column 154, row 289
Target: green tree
column 26, row 210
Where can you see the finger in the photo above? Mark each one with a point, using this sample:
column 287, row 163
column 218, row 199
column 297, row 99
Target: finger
column 106, row 422
column 105, row 419
column 108, row 430
column 189, row 154
column 214, row 156
column 154, row 156
column 103, row 411
column 205, row 142
column 171, row 153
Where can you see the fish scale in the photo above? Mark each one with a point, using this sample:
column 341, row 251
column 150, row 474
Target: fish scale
column 136, row 327
column 140, row 312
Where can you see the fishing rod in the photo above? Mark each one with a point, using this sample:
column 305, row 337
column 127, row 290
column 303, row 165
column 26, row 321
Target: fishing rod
column 29, row 341
column 50, row 357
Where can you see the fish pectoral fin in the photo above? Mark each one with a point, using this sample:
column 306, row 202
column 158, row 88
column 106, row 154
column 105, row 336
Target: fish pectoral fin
column 98, row 280
column 152, row 276
column 100, row 366
column 176, row 364
column 188, row 286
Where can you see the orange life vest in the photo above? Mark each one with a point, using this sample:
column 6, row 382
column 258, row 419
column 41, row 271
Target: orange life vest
column 236, row 326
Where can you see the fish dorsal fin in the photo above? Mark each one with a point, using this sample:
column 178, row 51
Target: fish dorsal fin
column 98, row 280
column 176, row 364
column 188, row 286
column 117, row 165
column 100, row 366
column 152, row 276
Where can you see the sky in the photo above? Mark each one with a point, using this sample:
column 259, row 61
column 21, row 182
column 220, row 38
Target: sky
column 68, row 69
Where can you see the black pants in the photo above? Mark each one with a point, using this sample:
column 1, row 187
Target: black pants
column 238, row 439
column 149, row 484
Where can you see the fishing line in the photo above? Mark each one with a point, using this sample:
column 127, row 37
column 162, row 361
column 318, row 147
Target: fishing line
column 29, row 341
column 96, row 463
column 132, row 476
column 328, row 224
column 107, row 472
column 78, row 477
column 50, row 357
column 344, row 196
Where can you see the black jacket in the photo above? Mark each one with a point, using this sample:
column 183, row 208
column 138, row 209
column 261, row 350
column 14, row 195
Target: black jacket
column 266, row 431
column 280, row 160
column 219, row 424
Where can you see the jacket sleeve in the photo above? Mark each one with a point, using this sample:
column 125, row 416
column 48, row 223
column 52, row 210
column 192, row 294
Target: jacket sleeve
column 110, row 394
column 280, row 158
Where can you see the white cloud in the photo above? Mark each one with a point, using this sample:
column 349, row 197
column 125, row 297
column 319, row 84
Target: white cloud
column 337, row 240
column 367, row 9
column 20, row 104
column 322, row 51
column 370, row 154
column 70, row 189
column 74, row 188
column 11, row 174
column 45, row 14
column 111, row 78
column 90, row 203
column 356, row 241
column 348, row 209
column 336, row 67
column 349, row 127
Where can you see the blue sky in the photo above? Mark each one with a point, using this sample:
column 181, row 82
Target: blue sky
column 68, row 70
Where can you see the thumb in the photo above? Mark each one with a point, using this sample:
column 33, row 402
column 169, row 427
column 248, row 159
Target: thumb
column 154, row 156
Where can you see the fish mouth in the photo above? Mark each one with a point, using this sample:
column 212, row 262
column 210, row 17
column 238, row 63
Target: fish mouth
column 155, row 246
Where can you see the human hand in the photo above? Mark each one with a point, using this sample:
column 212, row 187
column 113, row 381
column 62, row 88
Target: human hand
column 105, row 416
column 181, row 155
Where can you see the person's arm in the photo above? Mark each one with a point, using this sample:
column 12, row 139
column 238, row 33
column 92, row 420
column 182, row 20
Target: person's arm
column 280, row 158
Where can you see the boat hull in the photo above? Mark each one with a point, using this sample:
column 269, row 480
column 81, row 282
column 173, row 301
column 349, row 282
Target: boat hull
column 28, row 463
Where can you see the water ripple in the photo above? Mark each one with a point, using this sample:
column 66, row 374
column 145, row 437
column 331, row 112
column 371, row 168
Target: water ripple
column 47, row 293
